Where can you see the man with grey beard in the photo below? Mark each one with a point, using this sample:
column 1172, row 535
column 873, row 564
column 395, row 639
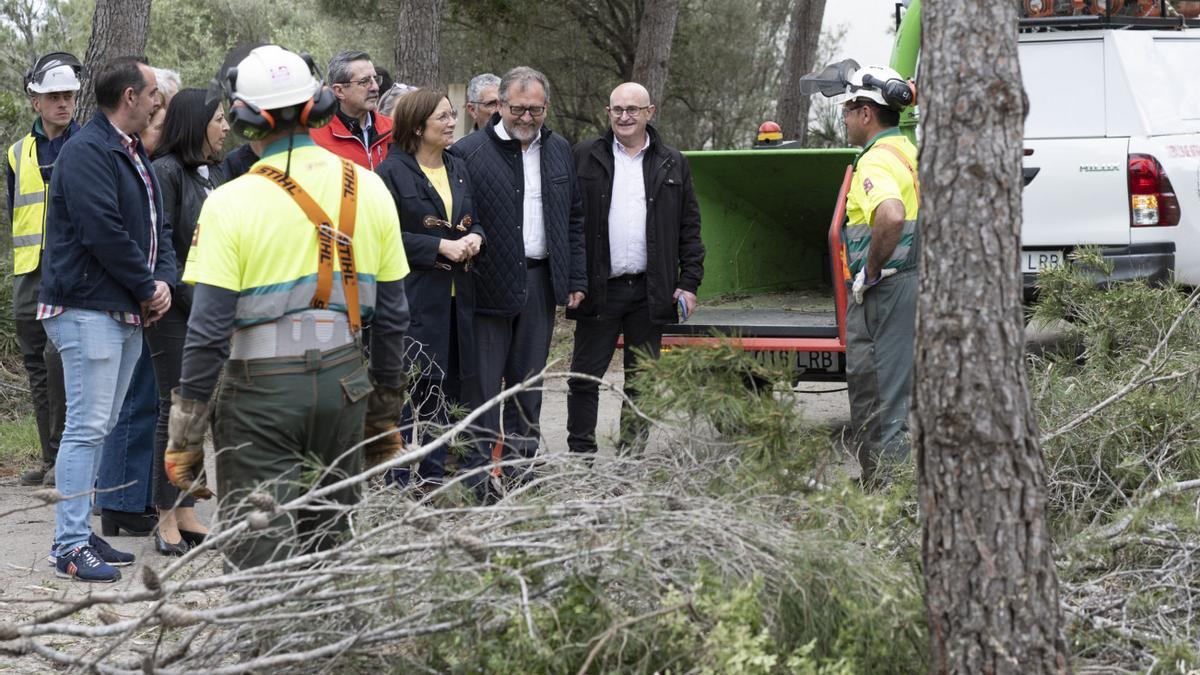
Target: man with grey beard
column 527, row 200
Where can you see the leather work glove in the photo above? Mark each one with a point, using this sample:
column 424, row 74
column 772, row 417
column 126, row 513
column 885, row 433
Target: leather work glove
column 861, row 284
column 184, row 460
column 383, row 415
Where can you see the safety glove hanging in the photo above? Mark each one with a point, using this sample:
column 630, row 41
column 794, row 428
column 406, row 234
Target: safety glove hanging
column 184, row 459
column 384, row 406
column 861, row 285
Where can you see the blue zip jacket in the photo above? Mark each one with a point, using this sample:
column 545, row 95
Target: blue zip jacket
column 98, row 226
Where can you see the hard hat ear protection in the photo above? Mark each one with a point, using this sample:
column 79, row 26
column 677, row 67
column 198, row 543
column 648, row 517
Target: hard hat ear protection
column 253, row 123
column 50, row 61
column 899, row 94
column 320, row 109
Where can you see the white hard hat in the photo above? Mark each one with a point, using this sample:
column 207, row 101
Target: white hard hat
column 271, row 77
column 858, row 91
column 55, row 78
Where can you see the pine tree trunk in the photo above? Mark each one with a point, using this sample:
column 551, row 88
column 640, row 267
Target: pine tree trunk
column 418, row 40
column 991, row 589
column 118, row 29
column 803, row 38
column 652, row 63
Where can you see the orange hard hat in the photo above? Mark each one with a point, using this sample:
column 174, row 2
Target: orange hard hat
column 769, row 131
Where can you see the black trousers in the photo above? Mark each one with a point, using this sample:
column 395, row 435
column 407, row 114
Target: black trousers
column 166, row 338
column 43, row 366
column 625, row 312
column 433, row 397
column 510, row 349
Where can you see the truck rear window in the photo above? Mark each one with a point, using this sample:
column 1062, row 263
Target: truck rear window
column 1065, row 84
column 1180, row 58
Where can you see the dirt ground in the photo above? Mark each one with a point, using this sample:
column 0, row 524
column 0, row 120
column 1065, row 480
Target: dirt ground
column 26, row 534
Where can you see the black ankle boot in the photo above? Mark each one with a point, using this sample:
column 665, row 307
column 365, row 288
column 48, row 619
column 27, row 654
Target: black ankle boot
column 134, row 524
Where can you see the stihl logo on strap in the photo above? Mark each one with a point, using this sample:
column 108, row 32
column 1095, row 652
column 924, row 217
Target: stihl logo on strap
column 329, row 238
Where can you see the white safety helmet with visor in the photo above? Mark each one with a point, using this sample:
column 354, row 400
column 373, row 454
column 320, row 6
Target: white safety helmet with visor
column 54, row 72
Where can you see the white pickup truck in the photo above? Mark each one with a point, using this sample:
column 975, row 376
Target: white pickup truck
column 1112, row 149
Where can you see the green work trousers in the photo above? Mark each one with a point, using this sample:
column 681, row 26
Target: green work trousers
column 879, row 369
column 283, row 426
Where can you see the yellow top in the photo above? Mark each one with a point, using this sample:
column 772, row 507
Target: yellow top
column 253, row 238
column 441, row 183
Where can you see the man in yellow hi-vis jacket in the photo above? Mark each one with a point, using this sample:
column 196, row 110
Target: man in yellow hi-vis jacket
column 882, row 248
column 52, row 83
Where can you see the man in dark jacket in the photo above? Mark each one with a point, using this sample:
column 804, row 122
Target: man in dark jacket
column 526, row 198
column 107, row 271
column 644, row 256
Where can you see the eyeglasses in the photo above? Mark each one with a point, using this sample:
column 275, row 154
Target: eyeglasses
column 366, row 81
column 847, row 109
column 633, row 110
column 487, row 105
column 446, row 116
column 533, row 110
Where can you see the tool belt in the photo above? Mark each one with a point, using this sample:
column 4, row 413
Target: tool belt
column 292, row 335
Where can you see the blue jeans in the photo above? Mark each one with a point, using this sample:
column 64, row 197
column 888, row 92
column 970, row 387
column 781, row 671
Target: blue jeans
column 99, row 354
column 128, row 453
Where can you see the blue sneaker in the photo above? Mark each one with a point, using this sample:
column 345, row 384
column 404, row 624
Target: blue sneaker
column 52, row 556
column 81, row 563
column 109, row 554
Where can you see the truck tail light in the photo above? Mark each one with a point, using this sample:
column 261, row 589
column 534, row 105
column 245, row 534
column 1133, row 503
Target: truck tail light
column 1152, row 199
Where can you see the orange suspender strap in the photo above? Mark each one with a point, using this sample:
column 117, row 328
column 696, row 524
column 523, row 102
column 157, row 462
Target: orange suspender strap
column 908, row 165
column 328, row 238
column 345, row 244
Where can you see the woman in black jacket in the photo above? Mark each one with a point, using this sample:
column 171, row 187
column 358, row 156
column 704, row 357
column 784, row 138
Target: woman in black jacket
column 440, row 239
column 186, row 163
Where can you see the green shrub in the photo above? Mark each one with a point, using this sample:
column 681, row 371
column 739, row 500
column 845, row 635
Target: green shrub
column 1148, row 436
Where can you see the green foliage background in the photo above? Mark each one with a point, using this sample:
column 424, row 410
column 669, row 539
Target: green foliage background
column 724, row 64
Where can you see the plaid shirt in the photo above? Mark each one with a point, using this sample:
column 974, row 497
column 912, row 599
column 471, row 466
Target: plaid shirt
column 45, row 311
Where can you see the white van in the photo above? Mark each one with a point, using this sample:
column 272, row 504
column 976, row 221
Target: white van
column 1112, row 150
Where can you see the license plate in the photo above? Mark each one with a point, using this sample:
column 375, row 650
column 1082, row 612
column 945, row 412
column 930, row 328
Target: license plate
column 1036, row 261
column 800, row 362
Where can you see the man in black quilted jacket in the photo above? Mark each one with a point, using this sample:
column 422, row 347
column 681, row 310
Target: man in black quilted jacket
column 528, row 202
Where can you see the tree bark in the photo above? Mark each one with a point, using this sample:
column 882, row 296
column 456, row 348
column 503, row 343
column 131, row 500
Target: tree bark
column 652, row 63
column 991, row 589
column 119, row 28
column 611, row 27
column 804, row 35
column 418, row 41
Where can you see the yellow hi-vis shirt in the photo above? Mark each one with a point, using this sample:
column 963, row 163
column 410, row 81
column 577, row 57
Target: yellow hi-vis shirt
column 253, row 238
column 879, row 175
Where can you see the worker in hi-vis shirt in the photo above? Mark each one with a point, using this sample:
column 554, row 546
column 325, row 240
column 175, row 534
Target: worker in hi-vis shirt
column 882, row 246
column 289, row 261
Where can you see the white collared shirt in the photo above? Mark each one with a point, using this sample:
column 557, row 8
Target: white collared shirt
column 533, row 226
column 366, row 135
column 627, row 213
